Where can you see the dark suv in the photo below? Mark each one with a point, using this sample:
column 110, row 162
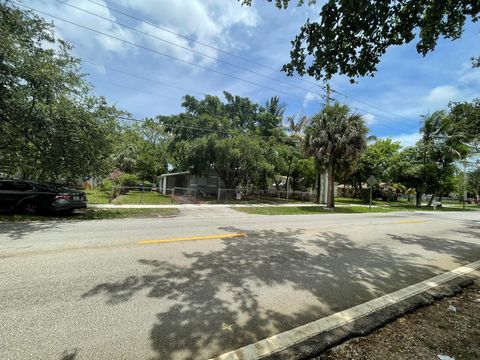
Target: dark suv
column 32, row 197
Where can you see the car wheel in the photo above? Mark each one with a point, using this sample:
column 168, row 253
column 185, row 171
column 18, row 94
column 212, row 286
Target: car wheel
column 30, row 208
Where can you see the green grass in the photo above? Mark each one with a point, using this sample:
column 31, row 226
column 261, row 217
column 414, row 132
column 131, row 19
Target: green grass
column 348, row 201
column 147, row 198
column 95, row 196
column 251, row 199
column 95, row 214
column 305, row 210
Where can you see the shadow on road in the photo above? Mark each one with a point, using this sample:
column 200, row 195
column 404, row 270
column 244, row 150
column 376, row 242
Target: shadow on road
column 217, row 301
column 18, row 230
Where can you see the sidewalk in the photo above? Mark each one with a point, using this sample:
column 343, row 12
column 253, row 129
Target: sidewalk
column 198, row 206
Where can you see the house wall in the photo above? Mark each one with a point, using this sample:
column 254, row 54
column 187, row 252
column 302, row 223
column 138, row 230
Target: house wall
column 206, row 184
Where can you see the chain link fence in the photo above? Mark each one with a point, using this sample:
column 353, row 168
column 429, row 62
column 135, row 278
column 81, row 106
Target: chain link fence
column 245, row 195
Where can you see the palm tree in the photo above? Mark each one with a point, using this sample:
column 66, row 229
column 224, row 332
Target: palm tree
column 296, row 128
column 275, row 107
column 336, row 137
column 442, row 144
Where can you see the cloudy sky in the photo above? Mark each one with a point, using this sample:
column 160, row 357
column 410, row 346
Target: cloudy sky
column 148, row 79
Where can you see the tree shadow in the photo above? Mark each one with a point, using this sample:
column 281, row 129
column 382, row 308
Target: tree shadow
column 219, row 299
column 471, row 228
column 461, row 251
column 17, row 230
column 69, row 355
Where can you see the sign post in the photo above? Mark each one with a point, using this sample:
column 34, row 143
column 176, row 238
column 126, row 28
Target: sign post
column 371, row 181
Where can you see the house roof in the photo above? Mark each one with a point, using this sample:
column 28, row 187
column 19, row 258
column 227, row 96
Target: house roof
column 174, row 174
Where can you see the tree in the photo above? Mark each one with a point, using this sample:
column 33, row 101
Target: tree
column 51, row 126
column 235, row 139
column 473, row 181
column 336, row 138
column 275, row 107
column 429, row 166
column 141, row 149
column 377, row 160
column 442, row 143
column 465, row 116
column 350, row 37
column 409, row 170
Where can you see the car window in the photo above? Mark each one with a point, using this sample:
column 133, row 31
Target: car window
column 22, row 186
column 7, row 185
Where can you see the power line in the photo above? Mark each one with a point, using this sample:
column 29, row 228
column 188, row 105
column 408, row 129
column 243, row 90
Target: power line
column 173, row 57
column 163, row 97
column 187, row 48
column 189, row 90
column 371, row 105
column 197, row 128
column 159, row 53
column 236, row 56
column 142, row 78
column 195, row 41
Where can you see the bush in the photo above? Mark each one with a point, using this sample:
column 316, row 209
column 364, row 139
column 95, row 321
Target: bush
column 106, row 185
column 128, row 180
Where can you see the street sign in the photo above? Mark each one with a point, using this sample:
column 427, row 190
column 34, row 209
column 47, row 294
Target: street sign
column 371, row 181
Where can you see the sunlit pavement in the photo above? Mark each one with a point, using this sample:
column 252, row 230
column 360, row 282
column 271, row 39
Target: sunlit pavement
column 116, row 289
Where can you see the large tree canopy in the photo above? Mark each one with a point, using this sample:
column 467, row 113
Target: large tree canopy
column 351, row 36
column 51, row 126
column 336, row 138
column 236, row 139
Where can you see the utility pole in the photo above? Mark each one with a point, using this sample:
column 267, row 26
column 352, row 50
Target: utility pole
column 327, row 90
column 327, row 178
column 464, row 183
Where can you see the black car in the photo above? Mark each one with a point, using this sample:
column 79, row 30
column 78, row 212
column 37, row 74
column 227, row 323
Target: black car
column 32, row 197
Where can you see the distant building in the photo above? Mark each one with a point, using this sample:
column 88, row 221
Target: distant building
column 185, row 182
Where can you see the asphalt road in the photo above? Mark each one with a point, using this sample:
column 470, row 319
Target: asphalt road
column 89, row 290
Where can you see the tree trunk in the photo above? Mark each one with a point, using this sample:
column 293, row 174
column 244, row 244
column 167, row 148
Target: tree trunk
column 317, row 195
column 419, row 198
column 430, row 202
column 355, row 189
column 331, row 187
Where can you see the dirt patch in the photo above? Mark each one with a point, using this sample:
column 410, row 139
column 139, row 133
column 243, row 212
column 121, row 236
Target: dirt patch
column 424, row 334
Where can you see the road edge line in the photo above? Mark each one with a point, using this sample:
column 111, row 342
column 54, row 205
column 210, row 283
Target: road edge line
column 289, row 338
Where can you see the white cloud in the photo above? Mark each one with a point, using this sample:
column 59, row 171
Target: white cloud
column 86, row 41
column 207, row 21
column 311, row 97
column 407, row 139
column 440, row 96
column 470, row 76
column 369, row 119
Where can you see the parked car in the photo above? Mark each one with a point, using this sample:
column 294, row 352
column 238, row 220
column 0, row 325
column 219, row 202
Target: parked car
column 30, row 197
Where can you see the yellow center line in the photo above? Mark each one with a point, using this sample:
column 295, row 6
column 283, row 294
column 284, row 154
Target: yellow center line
column 409, row 221
column 192, row 238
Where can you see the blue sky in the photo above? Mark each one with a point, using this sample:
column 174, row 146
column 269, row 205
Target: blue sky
column 406, row 85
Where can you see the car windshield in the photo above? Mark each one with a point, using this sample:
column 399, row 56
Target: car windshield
column 47, row 187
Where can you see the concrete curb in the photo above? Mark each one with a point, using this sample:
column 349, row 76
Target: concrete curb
column 313, row 338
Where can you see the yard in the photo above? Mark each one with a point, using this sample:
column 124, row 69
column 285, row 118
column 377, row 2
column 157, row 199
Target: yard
column 147, row 198
column 345, row 209
column 97, row 196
